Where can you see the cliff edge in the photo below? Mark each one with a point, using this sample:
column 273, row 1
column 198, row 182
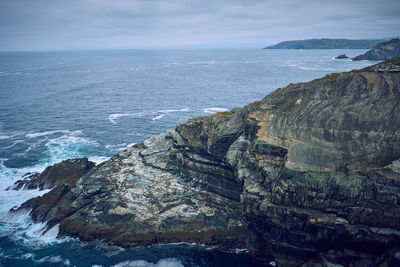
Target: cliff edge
column 308, row 175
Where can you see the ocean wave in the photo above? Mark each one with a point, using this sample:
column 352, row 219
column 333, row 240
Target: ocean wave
column 167, row 262
column 34, row 135
column 167, row 111
column 21, row 229
column 213, row 110
column 174, row 110
column 240, row 251
column 18, row 225
column 54, row 259
column 119, row 147
column 170, row 64
column 98, row 159
column 158, row 117
column 211, row 62
column 13, row 144
column 2, row 137
column 113, row 117
column 46, row 148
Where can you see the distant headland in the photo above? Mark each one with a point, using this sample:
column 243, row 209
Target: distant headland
column 325, row 43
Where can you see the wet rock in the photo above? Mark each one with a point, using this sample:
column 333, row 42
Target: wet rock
column 65, row 172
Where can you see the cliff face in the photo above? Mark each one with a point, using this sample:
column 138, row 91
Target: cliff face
column 382, row 51
column 310, row 174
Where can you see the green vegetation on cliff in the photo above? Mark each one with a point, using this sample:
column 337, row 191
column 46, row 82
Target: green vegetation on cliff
column 326, row 43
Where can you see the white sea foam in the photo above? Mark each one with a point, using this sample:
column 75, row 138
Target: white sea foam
column 61, row 146
column 167, row 111
column 117, row 145
column 113, row 117
column 158, row 117
column 19, row 226
column 213, row 110
column 98, row 159
column 131, row 144
column 170, row 64
column 13, row 144
column 33, row 135
column 240, row 250
column 211, row 62
column 174, row 110
column 28, row 256
column 2, row 137
column 167, row 262
column 54, row 259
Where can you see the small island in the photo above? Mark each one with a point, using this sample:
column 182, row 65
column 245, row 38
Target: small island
column 342, row 56
column 326, row 43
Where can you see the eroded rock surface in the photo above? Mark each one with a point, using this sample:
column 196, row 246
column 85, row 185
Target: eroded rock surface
column 309, row 175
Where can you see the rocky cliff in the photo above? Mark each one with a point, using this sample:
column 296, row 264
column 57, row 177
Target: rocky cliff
column 308, row 175
column 382, row 51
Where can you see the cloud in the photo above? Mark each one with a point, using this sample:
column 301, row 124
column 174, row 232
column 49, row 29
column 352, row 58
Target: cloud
column 46, row 24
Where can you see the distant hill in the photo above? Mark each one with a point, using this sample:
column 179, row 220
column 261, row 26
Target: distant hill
column 326, row 43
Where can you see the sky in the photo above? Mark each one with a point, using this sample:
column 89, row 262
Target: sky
column 99, row 24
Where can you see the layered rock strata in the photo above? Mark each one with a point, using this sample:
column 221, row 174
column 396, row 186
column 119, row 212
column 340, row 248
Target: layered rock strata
column 309, row 175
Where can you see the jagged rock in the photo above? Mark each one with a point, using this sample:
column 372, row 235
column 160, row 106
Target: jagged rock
column 382, row 51
column 65, row 172
column 308, row 176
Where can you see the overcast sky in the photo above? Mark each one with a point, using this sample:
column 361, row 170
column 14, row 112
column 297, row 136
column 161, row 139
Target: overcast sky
column 82, row 24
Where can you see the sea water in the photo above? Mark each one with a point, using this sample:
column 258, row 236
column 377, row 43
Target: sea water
column 68, row 104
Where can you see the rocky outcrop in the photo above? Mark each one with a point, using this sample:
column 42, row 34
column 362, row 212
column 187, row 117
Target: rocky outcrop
column 382, row 51
column 63, row 173
column 308, row 175
column 342, row 56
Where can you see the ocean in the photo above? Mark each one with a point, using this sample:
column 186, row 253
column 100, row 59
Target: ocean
column 67, row 104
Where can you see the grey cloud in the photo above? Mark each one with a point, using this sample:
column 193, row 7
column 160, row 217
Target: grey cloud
column 46, row 24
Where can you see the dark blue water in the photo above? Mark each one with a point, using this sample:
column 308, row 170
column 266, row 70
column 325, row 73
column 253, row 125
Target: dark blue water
column 59, row 105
